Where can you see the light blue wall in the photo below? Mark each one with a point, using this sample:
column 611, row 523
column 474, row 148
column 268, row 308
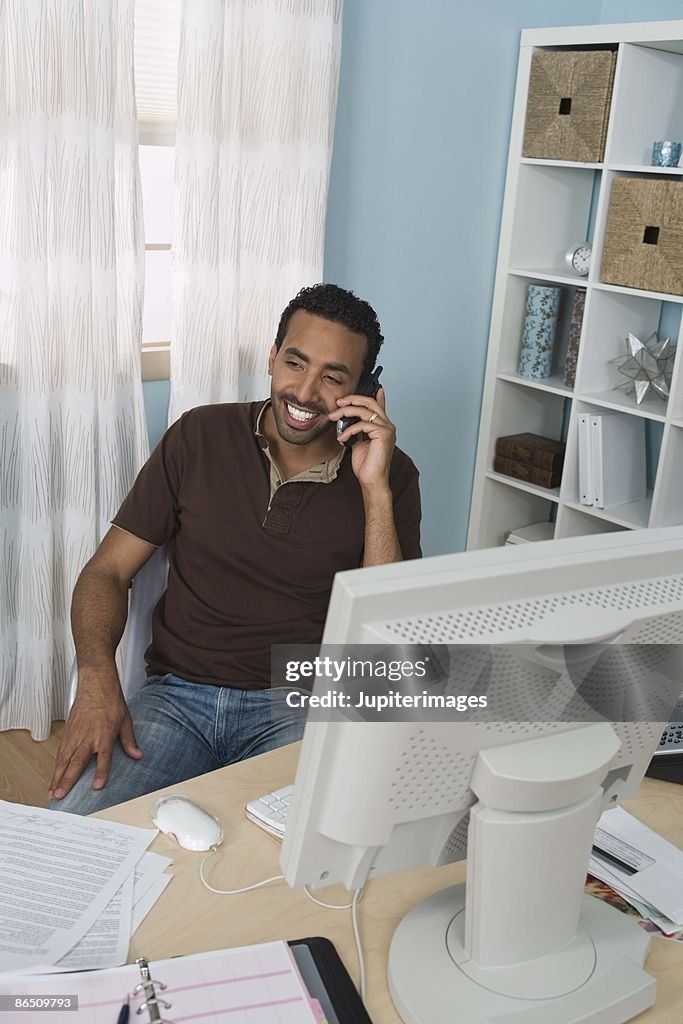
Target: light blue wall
column 421, row 139
column 614, row 11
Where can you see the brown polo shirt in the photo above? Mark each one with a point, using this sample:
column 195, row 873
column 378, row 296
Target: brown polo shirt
column 251, row 558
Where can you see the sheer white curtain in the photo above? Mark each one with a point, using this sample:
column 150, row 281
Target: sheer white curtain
column 72, row 425
column 257, row 92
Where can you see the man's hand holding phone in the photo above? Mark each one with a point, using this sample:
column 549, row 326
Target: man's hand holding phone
column 367, row 428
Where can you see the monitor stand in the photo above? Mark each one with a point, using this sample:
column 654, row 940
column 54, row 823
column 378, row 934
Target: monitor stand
column 529, row 947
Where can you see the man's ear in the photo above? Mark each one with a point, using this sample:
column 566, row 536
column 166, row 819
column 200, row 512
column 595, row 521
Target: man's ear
column 271, row 359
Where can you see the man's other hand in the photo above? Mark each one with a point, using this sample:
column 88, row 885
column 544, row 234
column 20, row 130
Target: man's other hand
column 99, row 716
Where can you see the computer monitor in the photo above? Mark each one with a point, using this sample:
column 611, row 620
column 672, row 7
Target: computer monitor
column 523, row 794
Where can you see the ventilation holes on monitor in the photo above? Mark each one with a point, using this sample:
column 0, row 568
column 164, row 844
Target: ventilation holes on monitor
column 664, row 630
column 636, row 738
column 513, row 729
column 430, row 776
column 455, row 846
column 479, row 624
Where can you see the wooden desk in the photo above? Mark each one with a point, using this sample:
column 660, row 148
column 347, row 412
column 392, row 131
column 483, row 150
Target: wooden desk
column 188, row 918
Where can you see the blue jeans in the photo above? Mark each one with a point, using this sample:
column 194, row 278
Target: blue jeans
column 186, row 729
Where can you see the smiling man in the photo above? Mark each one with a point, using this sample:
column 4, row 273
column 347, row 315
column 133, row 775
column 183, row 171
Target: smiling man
column 259, row 504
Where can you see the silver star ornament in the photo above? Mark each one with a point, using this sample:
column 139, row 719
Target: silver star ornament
column 647, row 367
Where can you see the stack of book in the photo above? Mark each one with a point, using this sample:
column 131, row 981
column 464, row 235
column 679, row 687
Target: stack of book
column 530, row 457
column 612, row 459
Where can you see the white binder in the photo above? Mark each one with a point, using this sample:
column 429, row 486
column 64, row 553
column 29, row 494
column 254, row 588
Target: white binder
column 617, row 457
column 585, row 474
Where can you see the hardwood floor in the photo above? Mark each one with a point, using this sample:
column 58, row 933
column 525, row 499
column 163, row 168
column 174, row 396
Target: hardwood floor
column 26, row 765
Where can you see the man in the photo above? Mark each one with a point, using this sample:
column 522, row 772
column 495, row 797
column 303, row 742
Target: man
column 259, row 505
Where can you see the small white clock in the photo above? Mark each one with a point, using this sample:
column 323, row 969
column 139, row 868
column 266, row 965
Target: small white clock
column 578, row 258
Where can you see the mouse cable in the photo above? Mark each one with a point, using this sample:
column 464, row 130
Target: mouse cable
column 267, row 881
column 352, row 906
column 357, row 896
column 233, row 892
column 332, row 906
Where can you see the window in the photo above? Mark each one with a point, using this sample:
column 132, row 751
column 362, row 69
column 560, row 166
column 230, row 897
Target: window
column 156, row 173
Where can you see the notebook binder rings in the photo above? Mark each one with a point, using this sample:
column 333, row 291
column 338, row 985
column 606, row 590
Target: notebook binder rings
column 148, row 988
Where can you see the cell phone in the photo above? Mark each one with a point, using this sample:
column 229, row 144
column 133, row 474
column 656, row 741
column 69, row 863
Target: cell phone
column 367, row 385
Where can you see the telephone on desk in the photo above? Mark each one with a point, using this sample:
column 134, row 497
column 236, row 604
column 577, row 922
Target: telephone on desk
column 667, row 761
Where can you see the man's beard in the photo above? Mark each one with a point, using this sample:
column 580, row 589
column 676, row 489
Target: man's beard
column 298, row 435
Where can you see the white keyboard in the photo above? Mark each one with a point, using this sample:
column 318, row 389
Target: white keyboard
column 270, row 811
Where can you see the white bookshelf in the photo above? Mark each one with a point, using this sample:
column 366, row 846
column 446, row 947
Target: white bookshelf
column 551, row 205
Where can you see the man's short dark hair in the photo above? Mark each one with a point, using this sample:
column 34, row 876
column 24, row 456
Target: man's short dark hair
column 331, row 302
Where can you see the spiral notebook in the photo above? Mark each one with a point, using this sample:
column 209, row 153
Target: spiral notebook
column 259, row 984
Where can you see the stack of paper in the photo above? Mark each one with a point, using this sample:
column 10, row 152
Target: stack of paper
column 642, row 867
column 611, row 459
column 72, row 890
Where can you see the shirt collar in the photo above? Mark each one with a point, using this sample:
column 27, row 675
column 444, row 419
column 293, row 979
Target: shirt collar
column 323, row 472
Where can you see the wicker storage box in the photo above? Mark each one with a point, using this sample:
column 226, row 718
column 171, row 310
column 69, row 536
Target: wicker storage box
column 644, row 239
column 568, row 106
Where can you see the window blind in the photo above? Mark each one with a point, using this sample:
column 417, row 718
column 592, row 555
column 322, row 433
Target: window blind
column 157, row 35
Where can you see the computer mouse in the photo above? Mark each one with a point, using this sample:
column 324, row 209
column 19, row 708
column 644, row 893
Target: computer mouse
column 190, row 825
